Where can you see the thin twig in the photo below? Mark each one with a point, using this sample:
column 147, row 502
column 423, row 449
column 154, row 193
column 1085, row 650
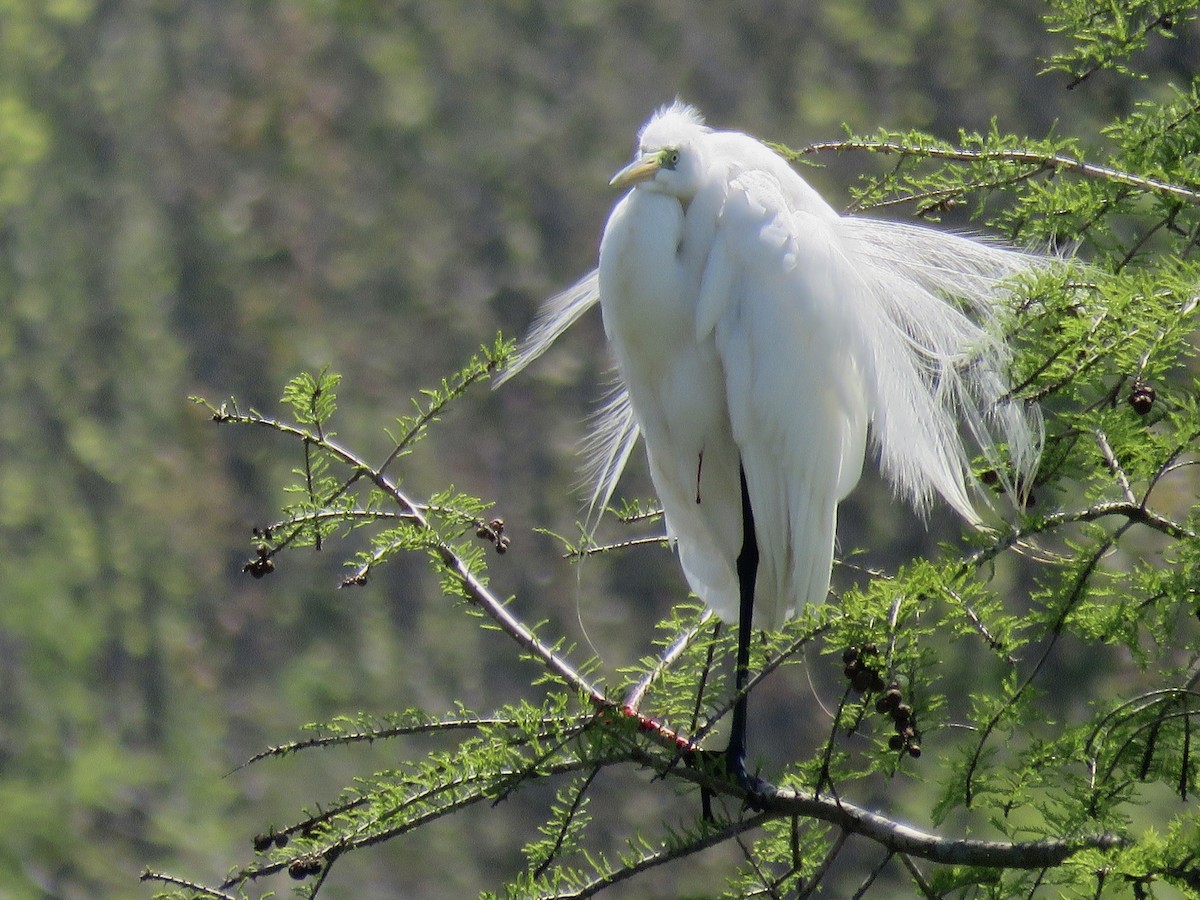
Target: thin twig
column 871, row 876
column 633, row 699
column 979, row 625
column 1060, row 622
column 465, row 792
column 814, row 880
column 1052, row 162
column 1110, row 457
column 198, row 889
column 1134, row 512
column 659, row 540
column 769, row 887
column 665, row 856
column 372, row 735
column 918, row 877
column 576, row 803
column 771, row 665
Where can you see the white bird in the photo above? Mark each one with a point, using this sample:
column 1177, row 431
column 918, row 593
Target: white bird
column 760, row 337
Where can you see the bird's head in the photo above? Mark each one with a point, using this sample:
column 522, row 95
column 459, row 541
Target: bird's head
column 670, row 156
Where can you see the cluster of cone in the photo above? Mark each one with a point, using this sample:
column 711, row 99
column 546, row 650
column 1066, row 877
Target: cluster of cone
column 864, row 676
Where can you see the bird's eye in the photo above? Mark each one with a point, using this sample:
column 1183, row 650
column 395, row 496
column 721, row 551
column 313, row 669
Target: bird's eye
column 670, row 159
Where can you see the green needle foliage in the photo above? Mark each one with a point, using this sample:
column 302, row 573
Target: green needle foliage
column 1032, row 693
column 1106, row 35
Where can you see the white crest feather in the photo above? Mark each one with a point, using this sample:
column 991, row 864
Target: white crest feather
column 673, row 119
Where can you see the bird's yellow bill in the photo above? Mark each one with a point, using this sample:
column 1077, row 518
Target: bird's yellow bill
column 639, row 170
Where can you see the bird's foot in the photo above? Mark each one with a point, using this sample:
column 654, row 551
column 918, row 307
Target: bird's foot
column 732, row 767
column 757, row 789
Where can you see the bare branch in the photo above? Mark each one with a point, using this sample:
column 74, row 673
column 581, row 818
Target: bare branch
column 892, row 835
column 198, row 889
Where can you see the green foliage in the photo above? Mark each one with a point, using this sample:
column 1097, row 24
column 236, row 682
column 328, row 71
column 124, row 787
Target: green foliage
column 1007, row 766
column 1053, row 703
column 312, row 399
column 208, row 198
column 1106, row 35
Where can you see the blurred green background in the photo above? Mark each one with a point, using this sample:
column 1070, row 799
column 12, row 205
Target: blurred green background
column 206, row 197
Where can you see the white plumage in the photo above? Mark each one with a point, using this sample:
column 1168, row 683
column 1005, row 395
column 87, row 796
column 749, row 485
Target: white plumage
column 752, row 325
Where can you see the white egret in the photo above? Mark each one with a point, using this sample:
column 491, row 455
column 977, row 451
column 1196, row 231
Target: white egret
column 760, row 337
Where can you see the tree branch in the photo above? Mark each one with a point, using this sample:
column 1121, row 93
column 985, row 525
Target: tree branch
column 1043, row 162
column 1134, row 512
column 198, row 890
column 892, row 835
column 897, row 837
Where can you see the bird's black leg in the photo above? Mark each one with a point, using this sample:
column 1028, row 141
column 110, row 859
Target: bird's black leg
column 747, row 572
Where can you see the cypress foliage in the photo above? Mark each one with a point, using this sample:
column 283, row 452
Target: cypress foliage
column 1031, row 705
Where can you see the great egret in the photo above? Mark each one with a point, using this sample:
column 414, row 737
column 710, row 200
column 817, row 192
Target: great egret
column 759, row 337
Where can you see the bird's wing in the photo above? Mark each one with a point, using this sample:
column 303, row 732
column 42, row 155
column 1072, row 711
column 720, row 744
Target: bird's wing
column 556, row 316
column 772, row 294
column 928, row 314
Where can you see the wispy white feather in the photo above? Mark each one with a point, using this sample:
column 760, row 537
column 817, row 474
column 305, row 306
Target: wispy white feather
column 612, row 437
column 932, row 308
column 934, row 372
column 556, row 316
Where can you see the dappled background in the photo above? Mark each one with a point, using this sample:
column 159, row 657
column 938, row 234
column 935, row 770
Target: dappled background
column 205, row 198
